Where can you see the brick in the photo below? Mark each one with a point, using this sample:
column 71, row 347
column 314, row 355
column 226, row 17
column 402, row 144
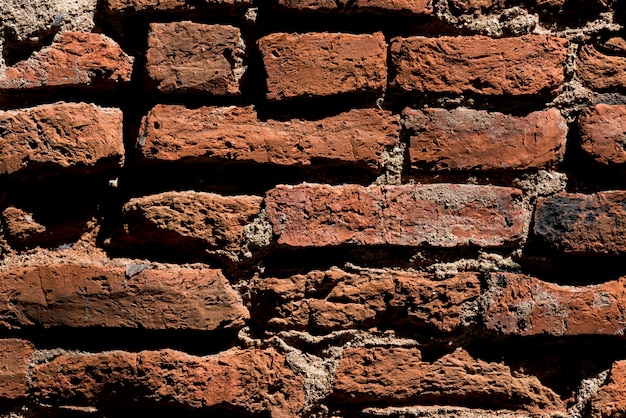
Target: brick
column 438, row 215
column 600, row 71
column 583, row 224
column 603, row 133
column 323, row 64
column 400, row 375
column 336, row 300
column 413, row 7
column 14, row 358
column 63, row 135
column 610, row 400
column 252, row 381
column 20, row 226
column 213, row 134
column 74, row 59
column 76, row 295
column 516, row 304
column 523, row 66
column 187, row 57
column 189, row 220
column 466, row 139
column 135, row 6
column 441, row 411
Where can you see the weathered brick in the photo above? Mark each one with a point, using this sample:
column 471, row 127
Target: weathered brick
column 173, row 133
column 323, row 64
column 187, row 57
column 85, row 296
column 450, row 411
column 600, row 71
column 439, row 215
column 414, row 7
column 20, row 226
column 521, row 66
column 253, row 381
column 189, row 220
column 466, row 139
column 603, row 133
column 399, row 375
column 336, row 300
column 516, row 304
column 74, row 59
column 579, row 223
column 14, row 358
column 610, row 400
column 134, row 6
column 65, row 135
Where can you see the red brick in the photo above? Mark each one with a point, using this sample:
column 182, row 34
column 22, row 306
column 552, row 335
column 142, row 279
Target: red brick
column 187, row 57
column 189, row 220
column 323, row 64
column 466, row 139
column 86, row 296
column 399, row 375
column 600, row 71
column 74, row 59
column 414, row 7
column 603, row 133
column 610, row 400
column 172, row 133
column 579, row 223
column 255, row 381
column 133, row 6
column 14, row 358
column 438, row 215
column 20, row 225
column 516, row 304
column 522, row 66
column 65, row 135
column 336, row 300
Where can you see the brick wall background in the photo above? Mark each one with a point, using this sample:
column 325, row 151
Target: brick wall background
column 316, row 208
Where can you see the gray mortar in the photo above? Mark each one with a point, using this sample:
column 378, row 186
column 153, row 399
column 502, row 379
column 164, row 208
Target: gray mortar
column 392, row 163
column 587, row 388
column 257, row 234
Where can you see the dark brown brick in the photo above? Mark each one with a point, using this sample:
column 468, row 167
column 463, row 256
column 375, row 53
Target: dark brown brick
column 603, row 133
column 438, row 215
column 323, row 64
column 522, row 66
column 466, row 139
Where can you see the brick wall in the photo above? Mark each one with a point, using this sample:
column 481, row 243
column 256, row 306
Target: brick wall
column 313, row 208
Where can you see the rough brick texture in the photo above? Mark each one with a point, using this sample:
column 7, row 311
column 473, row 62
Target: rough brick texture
column 75, row 59
column 443, row 215
column 323, row 64
column 192, row 57
column 87, row 296
column 603, row 132
column 14, row 359
column 579, row 223
column 528, row 65
column 63, row 135
column 466, row 139
column 601, row 71
column 399, row 375
column 521, row 305
column 213, row 134
column 419, row 7
column 610, row 400
column 336, row 300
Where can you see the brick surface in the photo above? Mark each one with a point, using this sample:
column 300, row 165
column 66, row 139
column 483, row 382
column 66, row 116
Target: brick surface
column 253, row 381
column 74, row 59
column 415, row 7
column 133, row 6
column 173, row 133
column 85, row 296
column 189, row 220
column 399, row 375
column 14, row 357
column 438, row 215
column 521, row 66
column 323, row 64
column 579, row 223
column 610, row 400
column 601, row 71
column 516, row 304
column 336, row 300
column 64, row 135
column 603, row 132
column 192, row 57
column 466, row 139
